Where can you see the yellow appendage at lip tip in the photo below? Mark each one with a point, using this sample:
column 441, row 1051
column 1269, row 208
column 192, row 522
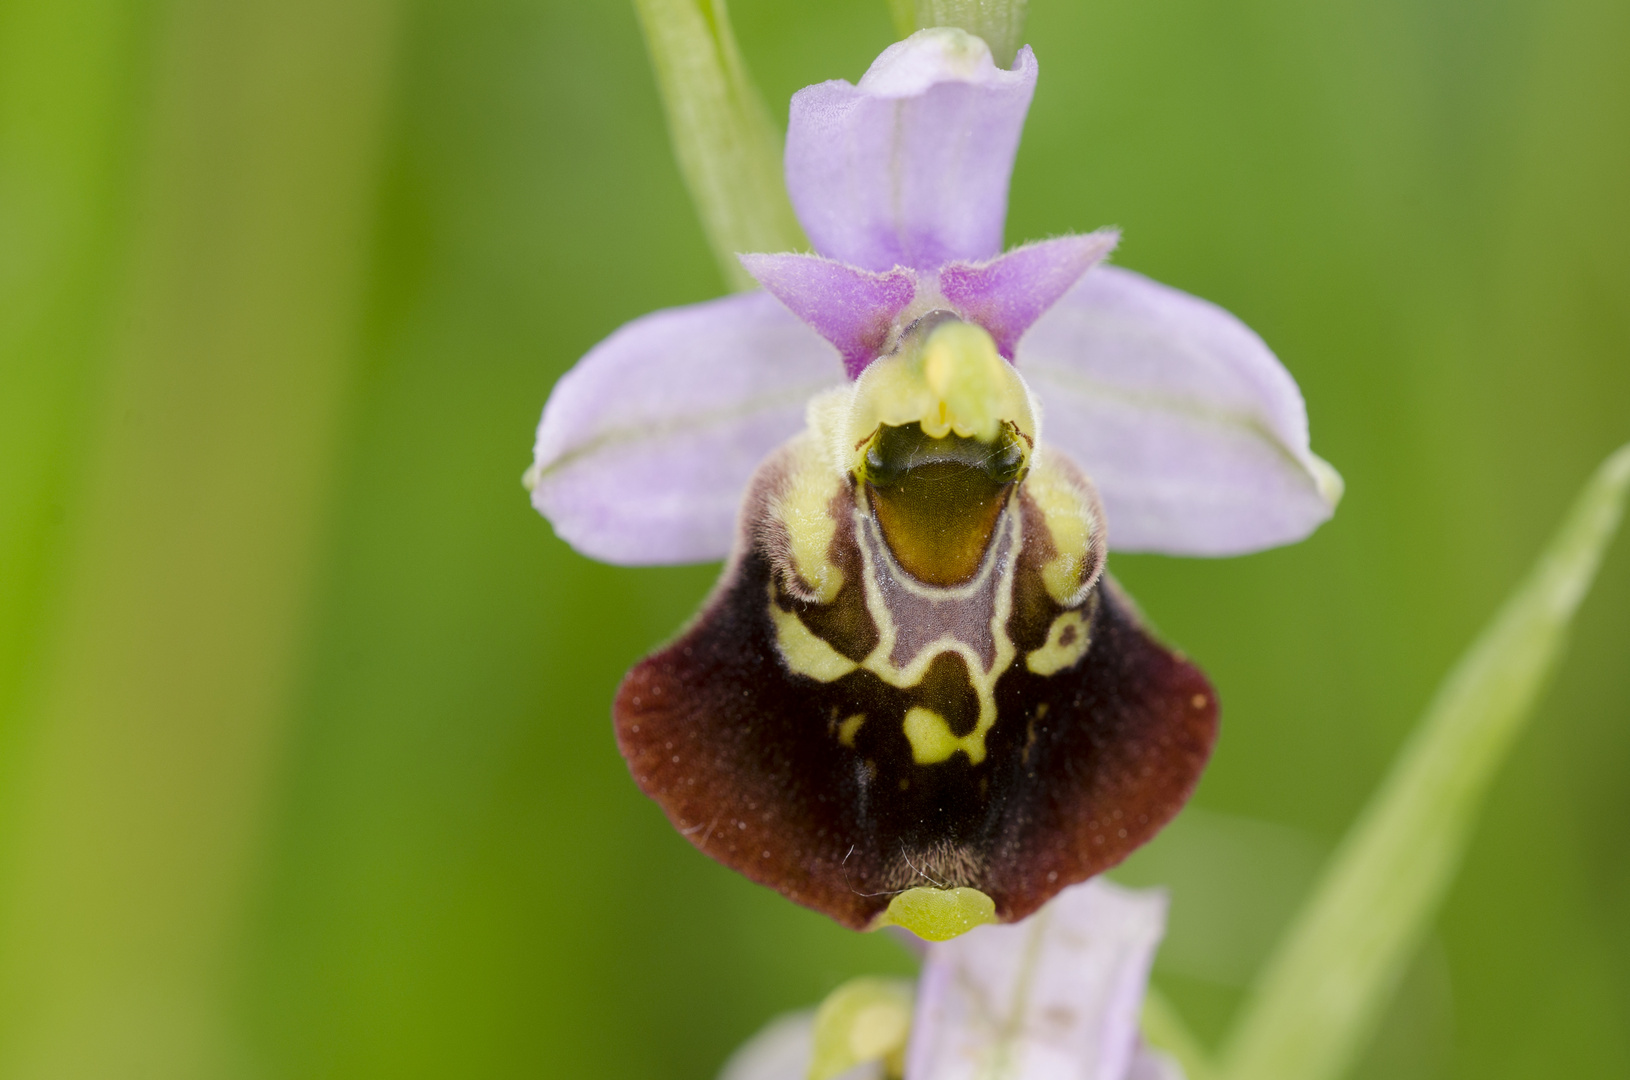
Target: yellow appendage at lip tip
column 939, row 914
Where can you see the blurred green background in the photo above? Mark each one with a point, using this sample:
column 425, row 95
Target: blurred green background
column 305, row 760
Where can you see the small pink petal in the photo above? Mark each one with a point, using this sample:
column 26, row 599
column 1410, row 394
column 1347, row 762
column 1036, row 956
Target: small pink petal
column 851, row 308
column 1010, row 292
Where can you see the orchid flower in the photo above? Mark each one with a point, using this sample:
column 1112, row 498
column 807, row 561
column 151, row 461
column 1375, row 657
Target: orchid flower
column 1056, row 998
column 914, row 696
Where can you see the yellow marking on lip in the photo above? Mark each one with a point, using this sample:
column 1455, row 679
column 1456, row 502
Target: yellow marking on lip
column 1070, row 523
column 804, row 653
column 932, row 742
column 804, row 507
column 849, row 728
column 1067, row 642
column 880, row 663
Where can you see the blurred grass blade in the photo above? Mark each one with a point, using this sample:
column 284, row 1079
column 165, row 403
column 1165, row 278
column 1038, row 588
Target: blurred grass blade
column 65, row 74
column 999, row 22
column 1165, row 1030
column 904, row 15
column 137, row 799
column 1318, row 997
column 728, row 149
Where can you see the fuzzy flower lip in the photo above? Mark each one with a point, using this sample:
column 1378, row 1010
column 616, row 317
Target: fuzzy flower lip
column 1194, row 433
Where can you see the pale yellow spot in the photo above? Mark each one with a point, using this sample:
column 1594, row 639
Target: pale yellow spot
column 1067, row 641
column 939, row 914
column 864, row 1020
column 804, row 653
column 930, row 736
column 953, row 382
column 932, row 742
column 804, row 507
column 849, row 728
column 1070, row 523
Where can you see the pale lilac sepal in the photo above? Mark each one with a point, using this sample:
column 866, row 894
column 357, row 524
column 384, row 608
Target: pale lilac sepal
column 850, row 307
column 1194, row 433
column 781, row 1050
column 1007, row 294
column 1150, row 1064
column 911, row 166
column 1056, row 997
column 646, row 446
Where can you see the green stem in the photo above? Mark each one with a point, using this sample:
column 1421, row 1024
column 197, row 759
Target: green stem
column 728, row 148
column 999, row 22
column 66, row 108
column 1320, row 995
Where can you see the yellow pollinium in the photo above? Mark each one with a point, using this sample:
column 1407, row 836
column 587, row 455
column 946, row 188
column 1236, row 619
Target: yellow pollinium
column 939, row 914
column 952, row 381
column 865, row 1019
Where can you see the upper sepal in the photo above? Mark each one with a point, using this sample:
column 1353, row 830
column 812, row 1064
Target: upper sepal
column 911, row 166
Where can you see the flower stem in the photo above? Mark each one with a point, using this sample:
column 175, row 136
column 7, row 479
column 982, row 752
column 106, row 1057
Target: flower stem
column 1320, row 995
column 999, row 22
column 728, row 148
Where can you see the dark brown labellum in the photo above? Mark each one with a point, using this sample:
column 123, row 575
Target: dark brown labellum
column 867, row 705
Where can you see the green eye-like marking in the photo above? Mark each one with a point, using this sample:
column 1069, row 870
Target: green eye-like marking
column 913, row 689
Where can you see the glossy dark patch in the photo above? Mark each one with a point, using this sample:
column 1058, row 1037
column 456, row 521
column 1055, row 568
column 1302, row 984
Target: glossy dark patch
column 938, row 500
